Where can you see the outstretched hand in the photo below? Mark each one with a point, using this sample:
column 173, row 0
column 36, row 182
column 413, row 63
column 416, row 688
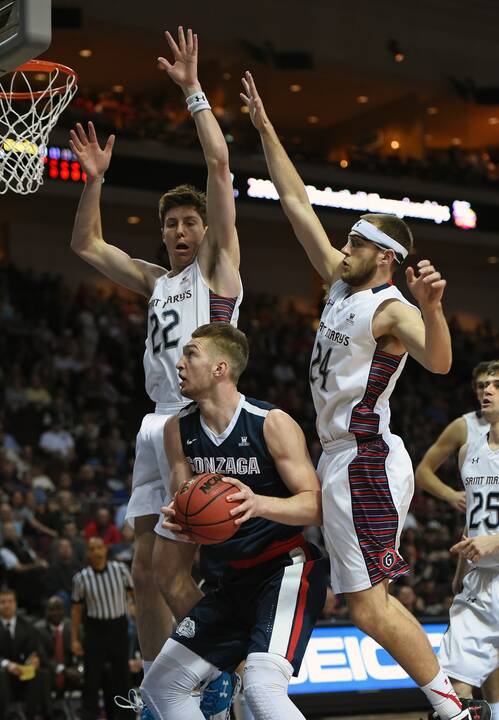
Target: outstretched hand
column 184, row 71
column 93, row 159
column 428, row 286
column 253, row 101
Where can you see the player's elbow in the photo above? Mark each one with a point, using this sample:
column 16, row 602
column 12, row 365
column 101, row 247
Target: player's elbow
column 218, row 160
column 316, row 509
column 439, row 364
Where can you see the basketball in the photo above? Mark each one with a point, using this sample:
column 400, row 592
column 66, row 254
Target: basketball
column 202, row 510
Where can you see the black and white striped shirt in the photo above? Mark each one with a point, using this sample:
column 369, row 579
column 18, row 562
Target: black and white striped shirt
column 103, row 592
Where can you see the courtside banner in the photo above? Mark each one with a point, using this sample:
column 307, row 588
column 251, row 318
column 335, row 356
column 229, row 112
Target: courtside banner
column 344, row 659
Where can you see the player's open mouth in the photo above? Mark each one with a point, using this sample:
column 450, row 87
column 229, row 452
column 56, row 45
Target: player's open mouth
column 181, row 246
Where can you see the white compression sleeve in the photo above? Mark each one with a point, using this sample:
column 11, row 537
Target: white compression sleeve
column 266, row 680
column 167, row 688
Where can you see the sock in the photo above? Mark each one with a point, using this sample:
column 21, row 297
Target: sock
column 442, row 697
column 146, row 666
column 494, row 708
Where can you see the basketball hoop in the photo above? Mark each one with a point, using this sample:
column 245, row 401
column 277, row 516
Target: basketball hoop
column 26, row 118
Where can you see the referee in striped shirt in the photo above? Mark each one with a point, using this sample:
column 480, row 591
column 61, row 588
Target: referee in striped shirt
column 100, row 594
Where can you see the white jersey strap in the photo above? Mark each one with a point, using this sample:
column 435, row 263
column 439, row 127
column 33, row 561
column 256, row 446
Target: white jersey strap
column 378, row 237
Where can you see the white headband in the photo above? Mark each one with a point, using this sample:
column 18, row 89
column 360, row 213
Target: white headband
column 378, row 237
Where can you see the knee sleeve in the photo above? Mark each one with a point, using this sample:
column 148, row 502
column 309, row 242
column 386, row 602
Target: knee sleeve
column 167, row 688
column 265, row 683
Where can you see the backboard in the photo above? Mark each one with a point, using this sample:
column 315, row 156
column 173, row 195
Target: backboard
column 25, row 31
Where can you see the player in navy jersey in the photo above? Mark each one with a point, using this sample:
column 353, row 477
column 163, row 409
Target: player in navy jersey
column 273, row 583
column 365, row 334
column 202, row 285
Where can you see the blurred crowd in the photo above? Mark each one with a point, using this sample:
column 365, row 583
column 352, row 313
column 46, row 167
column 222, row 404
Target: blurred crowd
column 167, row 120
column 72, row 388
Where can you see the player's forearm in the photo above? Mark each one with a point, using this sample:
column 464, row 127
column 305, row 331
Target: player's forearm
column 430, row 483
column 304, row 508
column 288, row 183
column 87, row 227
column 438, row 348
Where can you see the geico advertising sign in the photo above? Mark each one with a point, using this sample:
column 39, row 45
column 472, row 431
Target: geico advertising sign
column 340, row 659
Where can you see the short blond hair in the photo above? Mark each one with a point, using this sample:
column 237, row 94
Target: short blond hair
column 230, row 341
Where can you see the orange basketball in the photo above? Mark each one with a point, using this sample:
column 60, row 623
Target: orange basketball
column 202, row 510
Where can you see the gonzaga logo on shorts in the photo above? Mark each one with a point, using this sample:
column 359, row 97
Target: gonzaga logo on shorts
column 187, row 628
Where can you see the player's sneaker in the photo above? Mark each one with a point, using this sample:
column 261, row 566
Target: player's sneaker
column 218, row 696
column 472, row 710
column 134, row 702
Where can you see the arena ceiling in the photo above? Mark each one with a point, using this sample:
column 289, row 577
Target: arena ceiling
column 450, row 57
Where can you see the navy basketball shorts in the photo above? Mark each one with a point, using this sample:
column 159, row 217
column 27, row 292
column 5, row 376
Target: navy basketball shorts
column 264, row 605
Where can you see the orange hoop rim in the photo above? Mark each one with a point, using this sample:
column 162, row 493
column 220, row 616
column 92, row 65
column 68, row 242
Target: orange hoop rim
column 39, row 66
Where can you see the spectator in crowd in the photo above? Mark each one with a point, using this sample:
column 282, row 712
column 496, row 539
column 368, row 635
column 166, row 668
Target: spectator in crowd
column 22, row 679
column 103, row 527
column 55, row 639
column 59, row 577
column 25, row 570
column 57, row 441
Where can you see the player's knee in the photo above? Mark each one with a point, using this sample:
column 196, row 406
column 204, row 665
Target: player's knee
column 142, row 574
column 364, row 614
column 266, row 676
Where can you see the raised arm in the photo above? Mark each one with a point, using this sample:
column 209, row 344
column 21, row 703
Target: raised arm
column 426, row 338
column 286, row 443
column 87, row 240
column 291, row 189
column 219, row 254
column 449, row 442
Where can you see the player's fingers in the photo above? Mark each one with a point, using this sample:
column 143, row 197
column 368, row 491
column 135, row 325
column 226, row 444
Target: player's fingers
column 246, row 87
column 409, row 274
column 195, row 45
column 168, row 510
column 233, row 481
column 439, row 284
column 172, row 44
column 238, row 497
column 92, row 135
column 110, row 143
column 190, row 41
column 432, row 278
column 240, row 509
column 426, row 270
column 458, row 547
column 242, row 519
column 423, row 263
column 181, row 39
column 251, row 83
column 165, row 64
column 74, row 142
column 244, row 98
column 82, row 136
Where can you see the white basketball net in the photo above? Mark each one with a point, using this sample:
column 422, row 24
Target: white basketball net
column 25, row 126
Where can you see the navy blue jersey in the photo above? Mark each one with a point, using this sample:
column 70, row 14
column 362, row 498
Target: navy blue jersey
column 239, row 452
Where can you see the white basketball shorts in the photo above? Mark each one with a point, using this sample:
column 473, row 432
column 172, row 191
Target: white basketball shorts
column 470, row 648
column 367, row 487
column 151, row 472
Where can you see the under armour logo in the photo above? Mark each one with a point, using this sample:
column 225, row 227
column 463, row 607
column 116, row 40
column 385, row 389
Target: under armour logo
column 244, row 441
column 199, row 98
column 475, row 460
column 224, row 692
